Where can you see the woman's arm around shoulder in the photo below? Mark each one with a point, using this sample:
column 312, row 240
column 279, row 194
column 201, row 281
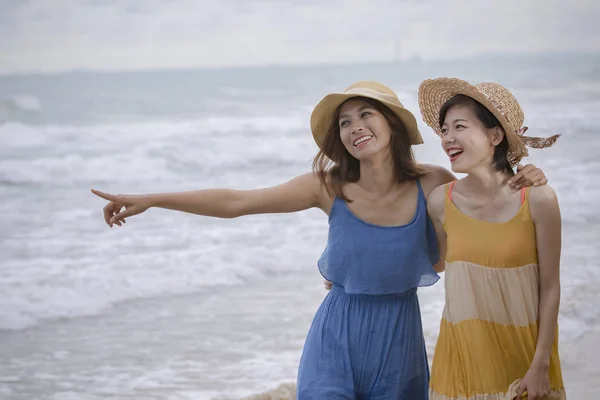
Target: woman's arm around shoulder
column 435, row 176
column 528, row 175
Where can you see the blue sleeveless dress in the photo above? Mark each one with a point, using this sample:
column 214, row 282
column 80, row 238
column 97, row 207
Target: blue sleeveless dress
column 366, row 340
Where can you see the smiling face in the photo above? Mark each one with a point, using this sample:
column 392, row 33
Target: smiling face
column 364, row 130
column 361, row 129
column 472, row 136
column 467, row 141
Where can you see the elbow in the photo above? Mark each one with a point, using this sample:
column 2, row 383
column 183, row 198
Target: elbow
column 226, row 215
column 229, row 213
column 552, row 288
column 233, row 209
column 550, row 292
column 232, row 215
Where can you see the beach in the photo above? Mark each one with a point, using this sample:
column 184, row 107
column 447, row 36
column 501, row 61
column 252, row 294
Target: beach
column 174, row 306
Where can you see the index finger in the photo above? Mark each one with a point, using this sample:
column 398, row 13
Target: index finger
column 105, row 196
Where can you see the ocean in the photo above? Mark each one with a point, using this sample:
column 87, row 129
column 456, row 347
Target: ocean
column 176, row 306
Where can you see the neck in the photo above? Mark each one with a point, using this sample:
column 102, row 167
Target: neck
column 485, row 181
column 377, row 176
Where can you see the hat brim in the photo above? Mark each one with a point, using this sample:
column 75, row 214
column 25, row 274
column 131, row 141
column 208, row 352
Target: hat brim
column 434, row 93
column 322, row 116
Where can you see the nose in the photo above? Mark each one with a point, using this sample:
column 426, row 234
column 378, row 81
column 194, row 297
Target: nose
column 448, row 137
column 357, row 128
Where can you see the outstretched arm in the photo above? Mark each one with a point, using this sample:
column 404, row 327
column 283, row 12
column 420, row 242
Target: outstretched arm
column 300, row 193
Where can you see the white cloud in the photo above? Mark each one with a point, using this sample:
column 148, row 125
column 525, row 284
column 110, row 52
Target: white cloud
column 40, row 35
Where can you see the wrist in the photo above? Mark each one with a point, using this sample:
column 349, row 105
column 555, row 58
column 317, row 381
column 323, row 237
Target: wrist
column 540, row 364
column 151, row 200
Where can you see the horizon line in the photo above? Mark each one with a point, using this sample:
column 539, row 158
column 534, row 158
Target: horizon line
column 411, row 60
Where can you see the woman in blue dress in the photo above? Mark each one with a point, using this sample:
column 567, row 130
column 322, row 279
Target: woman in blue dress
column 366, row 340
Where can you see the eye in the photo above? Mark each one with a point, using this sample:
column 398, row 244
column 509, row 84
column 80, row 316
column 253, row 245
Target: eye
column 365, row 114
column 460, row 126
column 444, row 131
column 344, row 123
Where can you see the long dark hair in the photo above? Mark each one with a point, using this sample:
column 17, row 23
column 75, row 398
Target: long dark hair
column 336, row 167
column 485, row 116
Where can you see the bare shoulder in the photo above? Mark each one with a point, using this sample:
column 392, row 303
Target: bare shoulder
column 543, row 196
column 309, row 179
column 435, row 176
column 307, row 190
column 312, row 183
column 543, row 201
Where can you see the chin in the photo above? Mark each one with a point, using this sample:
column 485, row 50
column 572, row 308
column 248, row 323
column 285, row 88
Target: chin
column 364, row 155
column 461, row 169
column 458, row 170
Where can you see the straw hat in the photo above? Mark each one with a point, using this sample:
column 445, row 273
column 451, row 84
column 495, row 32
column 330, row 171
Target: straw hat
column 322, row 116
column 433, row 93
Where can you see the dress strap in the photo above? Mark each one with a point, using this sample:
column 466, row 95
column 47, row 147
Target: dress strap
column 525, row 194
column 421, row 192
column 450, row 189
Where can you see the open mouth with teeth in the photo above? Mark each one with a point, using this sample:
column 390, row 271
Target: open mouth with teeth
column 361, row 140
column 454, row 154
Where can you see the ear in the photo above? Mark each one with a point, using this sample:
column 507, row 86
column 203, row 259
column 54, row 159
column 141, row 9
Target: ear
column 496, row 135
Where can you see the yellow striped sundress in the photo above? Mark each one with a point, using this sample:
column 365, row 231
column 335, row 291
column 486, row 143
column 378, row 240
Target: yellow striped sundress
column 489, row 326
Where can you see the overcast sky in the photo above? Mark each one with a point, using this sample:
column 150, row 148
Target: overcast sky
column 58, row 35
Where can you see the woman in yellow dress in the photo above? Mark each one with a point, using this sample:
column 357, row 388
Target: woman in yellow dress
column 501, row 246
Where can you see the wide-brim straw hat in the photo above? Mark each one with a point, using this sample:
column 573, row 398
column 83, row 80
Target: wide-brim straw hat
column 323, row 114
column 434, row 93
